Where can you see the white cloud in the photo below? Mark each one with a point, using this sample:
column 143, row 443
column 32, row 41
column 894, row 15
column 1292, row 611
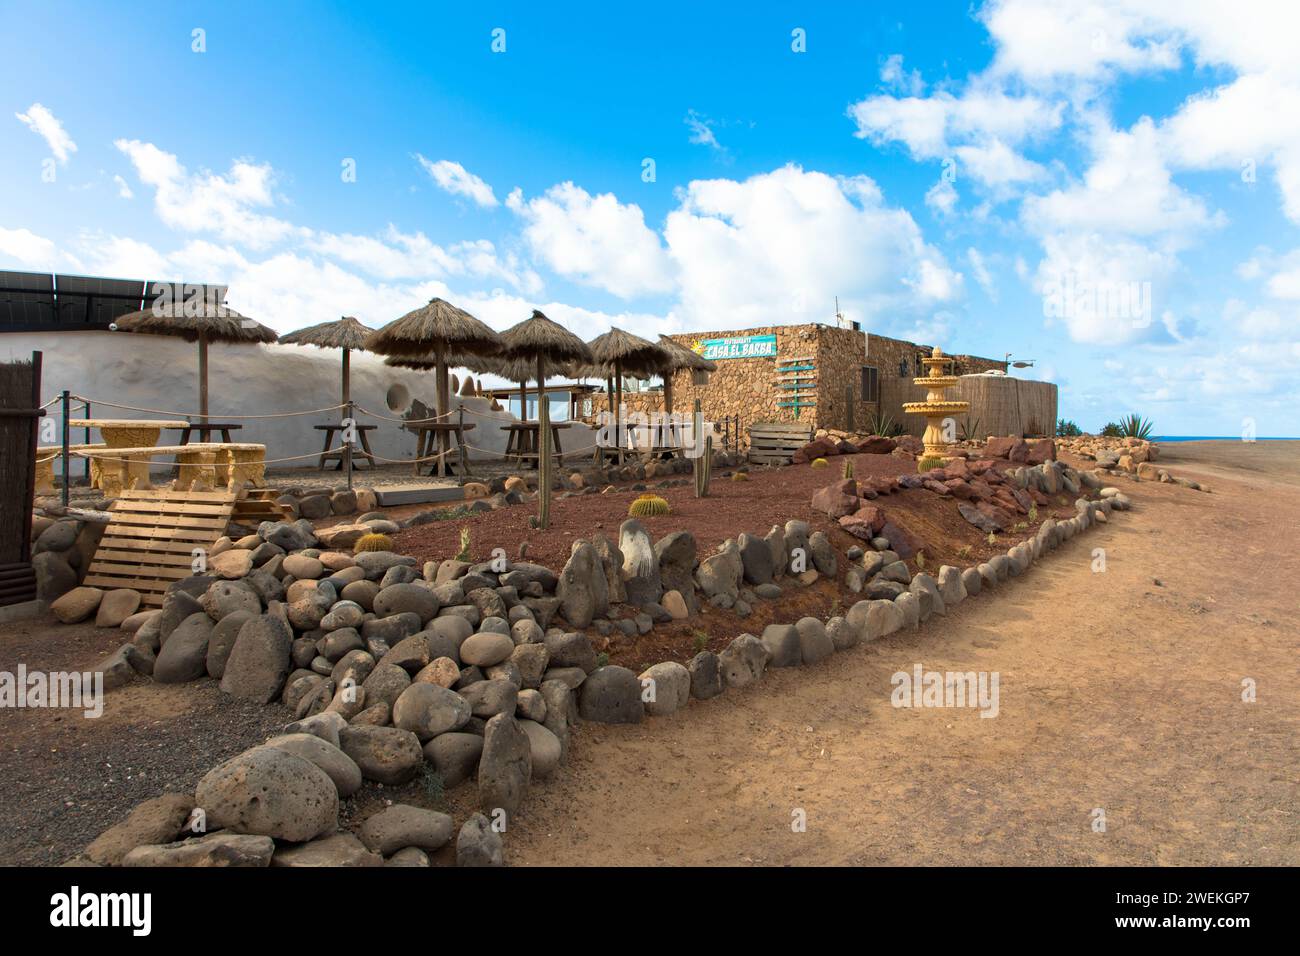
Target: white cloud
column 942, row 198
column 594, row 240
column 779, row 246
column 210, row 202
column 27, row 248
column 123, row 188
column 979, row 127
column 47, row 126
column 456, row 179
column 979, row 269
column 896, row 78
column 1127, row 189
column 702, row 131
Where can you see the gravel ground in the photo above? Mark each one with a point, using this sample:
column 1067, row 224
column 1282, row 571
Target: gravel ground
column 67, row 778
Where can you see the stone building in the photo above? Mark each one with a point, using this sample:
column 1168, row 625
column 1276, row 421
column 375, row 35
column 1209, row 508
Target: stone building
column 829, row 377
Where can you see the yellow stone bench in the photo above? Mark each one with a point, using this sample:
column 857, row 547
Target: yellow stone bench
column 45, row 455
column 203, row 466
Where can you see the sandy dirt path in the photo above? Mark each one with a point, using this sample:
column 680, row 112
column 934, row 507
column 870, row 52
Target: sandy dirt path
column 1119, row 690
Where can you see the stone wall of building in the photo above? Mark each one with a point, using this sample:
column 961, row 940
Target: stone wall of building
column 749, row 387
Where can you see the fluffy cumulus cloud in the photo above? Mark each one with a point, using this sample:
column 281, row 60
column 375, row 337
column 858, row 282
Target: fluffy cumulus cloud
column 594, row 240
column 27, row 248
column 48, row 127
column 978, row 129
column 226, row 205
column 778, row 246
column 456, row 179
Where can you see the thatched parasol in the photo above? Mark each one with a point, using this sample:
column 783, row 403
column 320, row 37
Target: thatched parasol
column 346, row 334
column 197, row 321
column 548, row 344
column 439, row 328
column 679, row 359
column 615, row 353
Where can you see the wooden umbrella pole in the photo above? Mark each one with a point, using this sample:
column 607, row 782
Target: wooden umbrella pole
column 203, row 379
column 444, row 400
column 347, row 369
column 544, row 452
column 618, row 387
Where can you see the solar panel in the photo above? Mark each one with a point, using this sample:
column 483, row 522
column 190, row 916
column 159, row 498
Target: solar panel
column 91, row 302
column 27, row 300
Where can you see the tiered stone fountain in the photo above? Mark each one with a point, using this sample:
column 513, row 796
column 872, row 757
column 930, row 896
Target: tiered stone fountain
column 935, row 409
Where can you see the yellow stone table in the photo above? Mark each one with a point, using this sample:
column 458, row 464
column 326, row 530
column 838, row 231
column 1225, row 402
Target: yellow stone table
column 123, row 433
column 203, row 466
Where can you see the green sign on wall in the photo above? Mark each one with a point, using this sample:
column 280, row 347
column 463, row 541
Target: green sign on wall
column 736, row 347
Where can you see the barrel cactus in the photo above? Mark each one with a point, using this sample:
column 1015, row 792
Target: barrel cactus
column 819, row 462
column 648, row 505
column 739, row 476
column 373, row 542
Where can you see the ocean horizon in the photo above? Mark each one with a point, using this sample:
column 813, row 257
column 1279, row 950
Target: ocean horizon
column 1218, row 438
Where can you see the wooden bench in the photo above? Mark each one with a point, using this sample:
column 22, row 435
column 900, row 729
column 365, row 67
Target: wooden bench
column 45, row 456
column 774, row 443
column 203, row 466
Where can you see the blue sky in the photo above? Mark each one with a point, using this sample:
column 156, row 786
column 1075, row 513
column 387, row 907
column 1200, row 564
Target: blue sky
column 1104, row 186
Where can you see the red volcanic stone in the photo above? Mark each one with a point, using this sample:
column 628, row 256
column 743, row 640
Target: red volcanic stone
column 981, row 489
column 1019, row 453
column 901, row 541
column 1041, row 451
column 819, row 448
column 938, row 487
column 837, row 499
column 872, row 516
column 959, row 489
column 877, row 445
column 981, row 466
column 846, row 447
column 1000, row 447
column 1038, row 496
column 1022, row 499
column 997, row 515
column 957, row 468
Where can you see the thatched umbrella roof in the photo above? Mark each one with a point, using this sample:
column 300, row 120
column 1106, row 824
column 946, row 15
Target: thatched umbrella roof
column 540, row 337
column 681, row 357
column 548, row 344
column 344, row 333
column 616, row 352
column 202, row 322
column 439, row 324
column 441, row 328
column 219, row 324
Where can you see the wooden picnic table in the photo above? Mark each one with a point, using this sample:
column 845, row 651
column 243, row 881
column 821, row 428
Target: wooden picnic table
column 206, row 429
column 522, row 443
column 431, row 434
column 330, row 452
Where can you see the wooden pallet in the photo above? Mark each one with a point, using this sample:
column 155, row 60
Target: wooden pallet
column 259, row 506
column 149, row 541
column 773, row 443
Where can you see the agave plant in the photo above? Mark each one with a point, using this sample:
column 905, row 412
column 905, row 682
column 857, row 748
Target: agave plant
column 882, row 423
column 1135, row 426
column 970, row 430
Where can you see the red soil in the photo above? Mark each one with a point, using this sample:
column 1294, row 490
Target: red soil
column 770, row 496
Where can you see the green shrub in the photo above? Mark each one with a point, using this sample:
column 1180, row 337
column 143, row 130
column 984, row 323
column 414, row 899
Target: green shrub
column 1067, row 429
